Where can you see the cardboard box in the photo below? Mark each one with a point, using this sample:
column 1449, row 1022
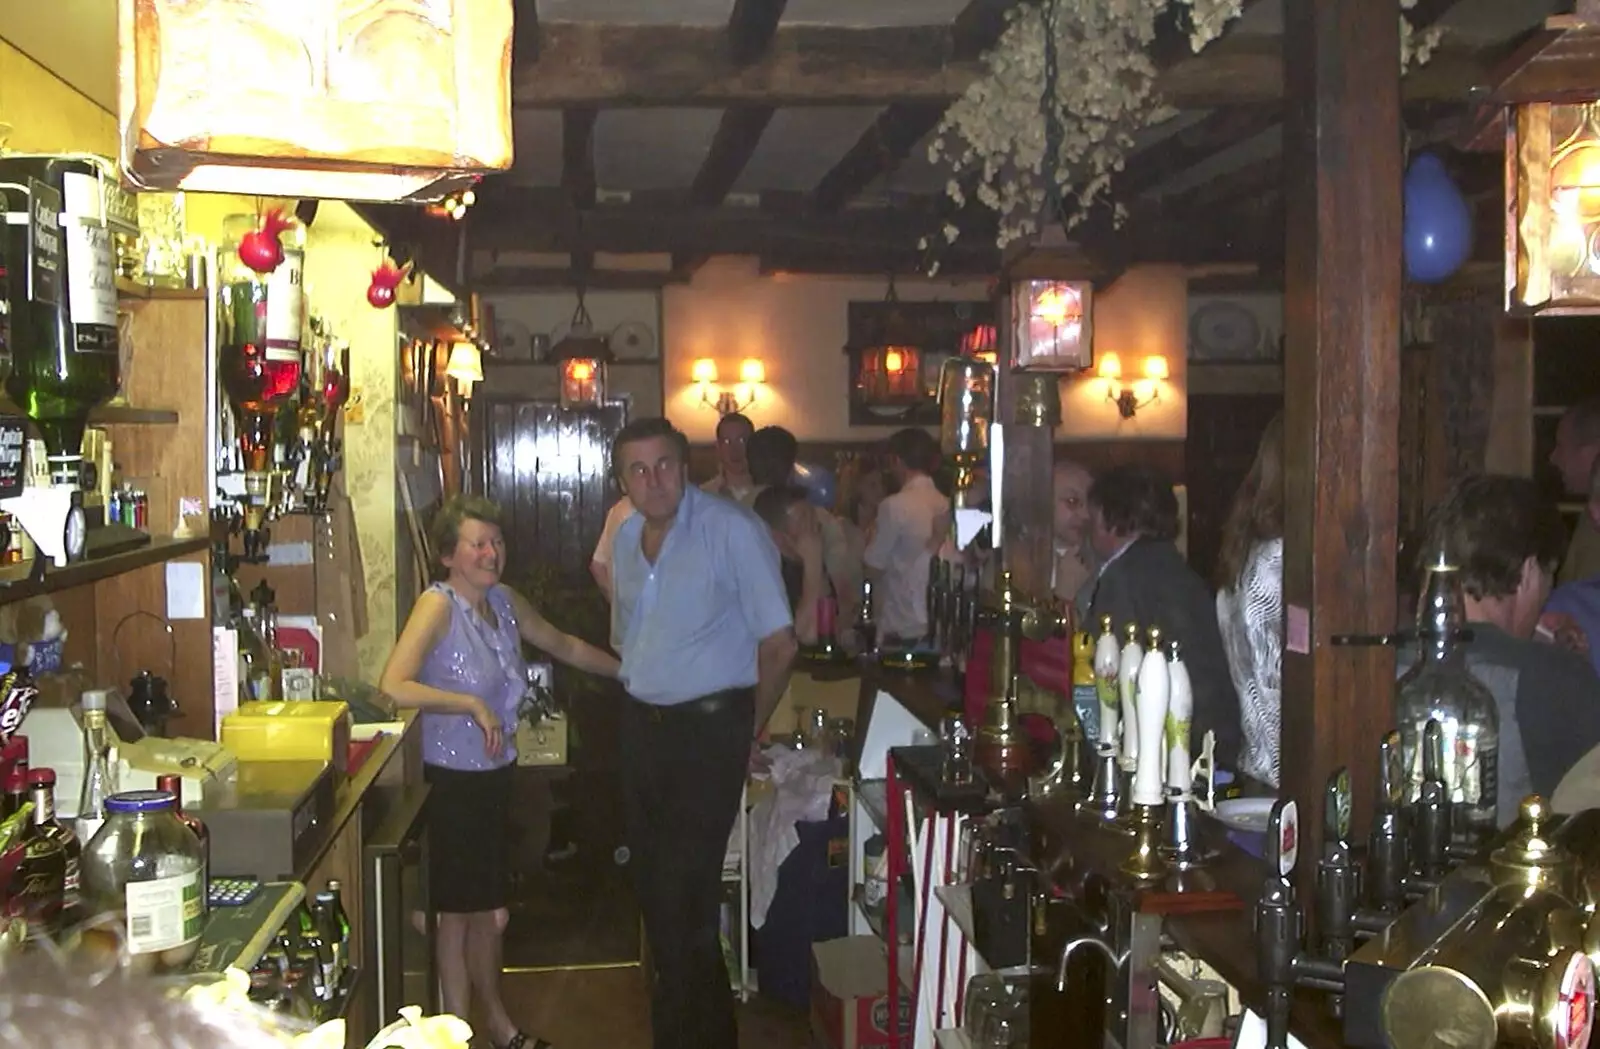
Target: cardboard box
column 544, row 743
column 849, row 994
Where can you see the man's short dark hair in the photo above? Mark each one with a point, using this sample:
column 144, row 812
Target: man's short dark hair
column 1489, row 525
column 772, row 503
column 1136, row 501
column 771, row 453
column 1583, row 421
column 916, row 448
column 643, row 430
column 734, row 419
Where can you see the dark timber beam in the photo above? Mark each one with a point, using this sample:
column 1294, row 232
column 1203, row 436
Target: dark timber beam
column 879, row 150
column 1342, row 165
column 609, row 65
column 1221, row 130
column 577, row 156
column 525, row 34
column 750, row 28
column 735, row 143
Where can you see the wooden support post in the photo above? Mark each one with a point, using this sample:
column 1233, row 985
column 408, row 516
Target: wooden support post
column 1342, row 168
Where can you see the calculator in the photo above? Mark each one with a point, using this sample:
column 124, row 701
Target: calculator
column 232, row 892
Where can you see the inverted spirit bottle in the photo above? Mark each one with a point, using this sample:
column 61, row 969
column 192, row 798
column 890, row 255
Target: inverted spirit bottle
column 1440, row 687
column 259, row 322
column 61, row 287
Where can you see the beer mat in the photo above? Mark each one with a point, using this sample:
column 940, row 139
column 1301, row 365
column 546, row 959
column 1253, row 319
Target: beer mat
column 922, row 768
column 238, row 936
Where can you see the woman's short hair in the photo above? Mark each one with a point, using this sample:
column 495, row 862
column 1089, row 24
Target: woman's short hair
column 444, row 531
column 1488, row 525
column 1136, row 501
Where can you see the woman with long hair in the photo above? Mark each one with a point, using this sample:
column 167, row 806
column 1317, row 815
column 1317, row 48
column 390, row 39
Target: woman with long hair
column 1250, row 603
column 459, row 660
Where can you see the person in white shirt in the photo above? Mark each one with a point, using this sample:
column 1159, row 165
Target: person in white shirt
column 905, row 537
column 600, row 562
column 733, row 468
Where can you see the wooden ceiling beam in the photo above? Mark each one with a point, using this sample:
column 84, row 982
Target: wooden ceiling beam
column 512, row 277
column 577, row 156
column 526, row 38
column 1221, row 130
column 750, row 28
column 879, row 150
column 978, row 27
column 735, row 143
column 608, row 65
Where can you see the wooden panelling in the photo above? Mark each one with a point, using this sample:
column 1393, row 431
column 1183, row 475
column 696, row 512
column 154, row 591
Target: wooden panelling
column 294, row 586
column 143, row 643
column 167, row 371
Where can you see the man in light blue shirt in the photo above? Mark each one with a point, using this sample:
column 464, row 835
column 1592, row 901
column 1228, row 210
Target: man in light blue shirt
column 703, row 626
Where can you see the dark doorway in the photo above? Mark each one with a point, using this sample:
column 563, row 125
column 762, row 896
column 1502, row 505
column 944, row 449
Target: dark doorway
column 1224, row 430
column 548, row 468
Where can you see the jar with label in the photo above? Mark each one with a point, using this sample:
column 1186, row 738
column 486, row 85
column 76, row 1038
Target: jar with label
column 146, row 866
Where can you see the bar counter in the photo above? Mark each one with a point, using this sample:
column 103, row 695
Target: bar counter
column 1206, row 912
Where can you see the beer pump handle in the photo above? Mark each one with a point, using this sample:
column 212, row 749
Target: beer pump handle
column 1278, row 922
column 1432, row 827
column 1387, row 847
column 1338, row 877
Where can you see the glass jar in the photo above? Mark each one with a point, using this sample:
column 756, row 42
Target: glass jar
column 146, row 866
column 1440, row 687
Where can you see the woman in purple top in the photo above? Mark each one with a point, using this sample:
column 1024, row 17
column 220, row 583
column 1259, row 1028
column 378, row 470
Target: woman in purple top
column 459, row 660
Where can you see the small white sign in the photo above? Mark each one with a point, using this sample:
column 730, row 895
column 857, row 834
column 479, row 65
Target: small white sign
column 186, row 590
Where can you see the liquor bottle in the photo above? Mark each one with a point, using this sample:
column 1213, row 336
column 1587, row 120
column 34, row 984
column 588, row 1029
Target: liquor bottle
column 932, row 599
column 33, row 868
column 172, row 783
column 63, row 297
column 255, row 662
column 98, row 776
column 328, row 930
column 341, row 920
column 827, row 646
column 14, row 755
column 311, row 943
column 1440, row 687
column 259, row 321
column 265, row 600
column 866, row 626
column 42, row 786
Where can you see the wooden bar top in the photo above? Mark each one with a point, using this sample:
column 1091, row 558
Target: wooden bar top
column 352, row 793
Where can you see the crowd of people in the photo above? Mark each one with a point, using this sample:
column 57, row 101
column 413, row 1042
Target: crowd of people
column 713, row 589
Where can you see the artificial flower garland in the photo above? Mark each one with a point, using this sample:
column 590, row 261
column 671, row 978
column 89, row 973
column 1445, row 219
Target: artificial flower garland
column 995, row 137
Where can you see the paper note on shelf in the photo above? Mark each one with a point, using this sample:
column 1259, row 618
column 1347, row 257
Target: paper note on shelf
column 1253, row 1033
column 968, row 524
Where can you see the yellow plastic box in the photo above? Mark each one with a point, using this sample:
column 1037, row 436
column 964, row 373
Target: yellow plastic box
column 299, row 730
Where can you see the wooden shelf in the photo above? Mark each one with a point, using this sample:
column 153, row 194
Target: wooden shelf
column 127, row 289
column 16, row 586
column 127, row 413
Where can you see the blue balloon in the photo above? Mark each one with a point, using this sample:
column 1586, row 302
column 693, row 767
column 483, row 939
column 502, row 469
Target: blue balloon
column 1438, row 224
column 819, row 483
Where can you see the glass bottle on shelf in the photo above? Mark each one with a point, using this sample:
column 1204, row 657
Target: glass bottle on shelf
column 42, row 786
column 61, row 285
column 827, row 646
column 35, row 865
column 172, row 783
column 866, row 625
column 99, row 781
column 1440, row 687
column 259, row 322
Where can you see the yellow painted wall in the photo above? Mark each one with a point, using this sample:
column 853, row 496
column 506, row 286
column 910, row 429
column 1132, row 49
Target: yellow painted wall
column 46, row 115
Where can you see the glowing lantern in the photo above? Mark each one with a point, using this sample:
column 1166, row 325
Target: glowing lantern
column 403, row 100
column 889, row 374
column 582, row 357
column 1052, row 324
column 1553, row 207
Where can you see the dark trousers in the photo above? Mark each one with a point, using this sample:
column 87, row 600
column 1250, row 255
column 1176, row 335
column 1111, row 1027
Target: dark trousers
column 683, row 771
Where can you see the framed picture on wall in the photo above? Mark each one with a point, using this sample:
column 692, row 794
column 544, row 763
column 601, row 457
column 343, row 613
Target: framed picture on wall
column 894, row 384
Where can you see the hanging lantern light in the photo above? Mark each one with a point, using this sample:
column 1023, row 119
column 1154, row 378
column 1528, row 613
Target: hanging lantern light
column 889, row 374
column 582, row 357
column 1052, row 324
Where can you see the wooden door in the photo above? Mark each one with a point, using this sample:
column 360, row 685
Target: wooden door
column 549, row 471
column 1224, row 430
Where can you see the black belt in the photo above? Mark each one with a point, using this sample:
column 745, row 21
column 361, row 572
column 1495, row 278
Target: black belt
column 715, row 703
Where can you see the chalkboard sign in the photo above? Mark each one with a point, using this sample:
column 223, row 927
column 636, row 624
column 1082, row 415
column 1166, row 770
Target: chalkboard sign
column 13, row 443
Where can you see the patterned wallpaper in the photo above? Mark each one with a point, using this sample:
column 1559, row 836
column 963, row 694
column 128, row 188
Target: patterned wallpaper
column 340, row 258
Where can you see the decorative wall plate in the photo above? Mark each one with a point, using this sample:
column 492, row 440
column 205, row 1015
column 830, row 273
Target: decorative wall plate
column 633, row 341
column 1225, row 330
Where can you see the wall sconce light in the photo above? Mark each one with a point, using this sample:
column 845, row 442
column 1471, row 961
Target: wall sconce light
column 466, row 362
column 752, row 376
column 1131, row 397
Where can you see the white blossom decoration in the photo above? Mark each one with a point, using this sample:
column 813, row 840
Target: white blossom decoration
column 993, row 138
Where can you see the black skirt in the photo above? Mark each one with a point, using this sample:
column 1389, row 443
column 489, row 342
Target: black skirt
column 468, row 826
